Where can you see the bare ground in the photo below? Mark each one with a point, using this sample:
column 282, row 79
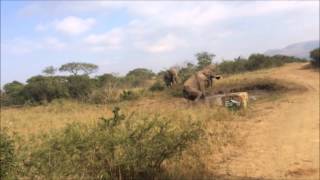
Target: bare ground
column 283, row 137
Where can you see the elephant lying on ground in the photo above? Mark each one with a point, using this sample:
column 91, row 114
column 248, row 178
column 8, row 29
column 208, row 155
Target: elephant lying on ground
column 194, row 87
column 171, row 77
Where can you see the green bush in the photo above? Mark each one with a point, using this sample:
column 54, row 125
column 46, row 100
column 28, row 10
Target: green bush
column 7, row 156
column 255, row 62
column 13, row 94
column 121, row 147
column 157, row 86
column 80, row 87
column 45, row 89
column 186, row 71
column 138, row 77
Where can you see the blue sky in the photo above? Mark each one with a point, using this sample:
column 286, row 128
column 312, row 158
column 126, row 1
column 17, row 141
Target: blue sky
column 120, row 36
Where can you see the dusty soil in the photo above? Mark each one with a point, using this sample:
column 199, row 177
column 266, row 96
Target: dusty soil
column 283, row 137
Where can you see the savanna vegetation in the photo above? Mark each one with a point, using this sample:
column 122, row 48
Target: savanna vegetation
column 315, row 56
column 108, row 88
column 123, row 127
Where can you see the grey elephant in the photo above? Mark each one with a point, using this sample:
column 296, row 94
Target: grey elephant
column 171, row 77
column 210, row 80
column 194, row 87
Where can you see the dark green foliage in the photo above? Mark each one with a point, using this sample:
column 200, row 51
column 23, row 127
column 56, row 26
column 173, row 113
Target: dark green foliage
column 7, row 156
column 121, row 147
column 315, row 56
column 75, row 68
column 157, row 86
column 50, row 70
column 229, row 67
column 186, row 71
column 255, row 62
column 141, row 73
column 204, row 59
column 107, row 79
column 13, row 94
column 128, row 95
column 80, row 87
column 45, row 89
column 138, row 77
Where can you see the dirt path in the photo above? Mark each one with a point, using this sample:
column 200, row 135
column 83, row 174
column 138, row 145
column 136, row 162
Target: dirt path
column 283, row 142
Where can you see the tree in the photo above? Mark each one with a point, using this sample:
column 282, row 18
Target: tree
column 80, row 87
column 141, row 72
column 45, row 89
column 315, row 55
column 204, row 59
column 75, row 68
column 186, row 71
column 13, row 93
column 13, row 87
column 106, row 79
column 50, row 70
column 137, row 77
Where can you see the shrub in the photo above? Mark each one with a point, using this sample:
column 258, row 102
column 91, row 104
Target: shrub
column 7, row 156
column 128, row 95
column 13, row 94
column 315, row 55
column 255, row 62
column 138, row 77
column 186, row 71
column 121, row 147
column 80, row 87
column 109, row 93
column 176, row 91
column 45, row 89
column 157, row 86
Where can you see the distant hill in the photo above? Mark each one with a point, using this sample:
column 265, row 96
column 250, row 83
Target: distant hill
column 301, row 49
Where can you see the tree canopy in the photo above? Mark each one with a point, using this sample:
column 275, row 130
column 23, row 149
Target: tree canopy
column 76, row 68
column 50, row 70
column 204, row 59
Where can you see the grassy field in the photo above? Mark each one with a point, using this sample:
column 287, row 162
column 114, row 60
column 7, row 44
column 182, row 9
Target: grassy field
column 222, row 128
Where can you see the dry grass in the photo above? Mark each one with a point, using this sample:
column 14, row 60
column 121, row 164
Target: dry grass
column 257, row 80
column 222, row 127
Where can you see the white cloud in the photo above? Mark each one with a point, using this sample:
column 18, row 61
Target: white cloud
column 41, row 27
column 74, row 26
column 53, row 43
column 109, row 40
column 26, row 46
column 165, row 44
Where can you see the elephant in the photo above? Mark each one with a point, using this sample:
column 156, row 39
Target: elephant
column 171, row 77
column 209, row 83
column 194, row 87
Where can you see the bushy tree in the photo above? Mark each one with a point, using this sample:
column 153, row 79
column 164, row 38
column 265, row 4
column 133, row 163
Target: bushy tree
column 315, row 56
column 75, row 68
column 45, row 89
column 80, row 87
column 13, row 93
column 49, row 71
column 204, row 59
column 138, row 76
column 186, row 71
column 107, row 79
